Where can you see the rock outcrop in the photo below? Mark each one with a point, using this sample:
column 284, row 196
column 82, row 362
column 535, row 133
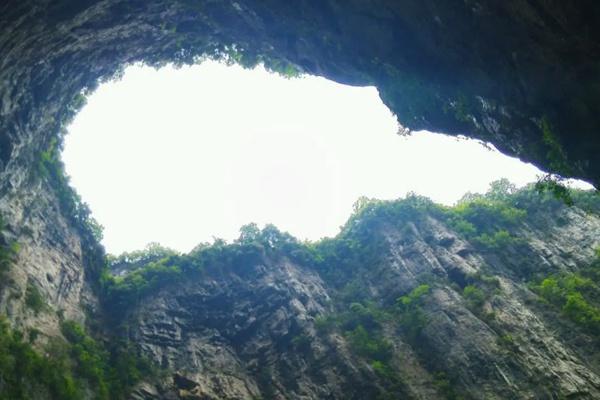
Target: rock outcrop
column 521, row 74
column 48, row 280
column 253, row 332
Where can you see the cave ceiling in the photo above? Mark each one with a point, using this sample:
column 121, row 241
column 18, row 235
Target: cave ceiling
column 521, row 74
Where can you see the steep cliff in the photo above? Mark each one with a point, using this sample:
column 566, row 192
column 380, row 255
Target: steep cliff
column 46, row 280
column 495, row 298
column 420, row 305
column 411, row 300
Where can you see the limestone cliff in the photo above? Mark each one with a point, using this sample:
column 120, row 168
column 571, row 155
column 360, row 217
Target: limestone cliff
column 495, row 298
column 415, row 306
column 269, row 323
column 50, row 269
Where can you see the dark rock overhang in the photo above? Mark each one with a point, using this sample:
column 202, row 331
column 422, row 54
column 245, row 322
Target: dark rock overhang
column 521, row 74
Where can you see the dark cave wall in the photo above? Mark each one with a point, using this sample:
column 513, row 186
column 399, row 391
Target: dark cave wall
column 524, row 75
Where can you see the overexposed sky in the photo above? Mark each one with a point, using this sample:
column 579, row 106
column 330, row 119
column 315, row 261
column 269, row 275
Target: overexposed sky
column 179, row 156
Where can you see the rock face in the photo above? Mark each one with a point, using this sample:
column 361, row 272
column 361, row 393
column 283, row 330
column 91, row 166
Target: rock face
column 522, row 74
column 48, row 280
column 275, row 324
column 244, row 335
column 247, row 333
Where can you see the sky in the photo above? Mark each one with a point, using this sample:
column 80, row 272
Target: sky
column 182, row 156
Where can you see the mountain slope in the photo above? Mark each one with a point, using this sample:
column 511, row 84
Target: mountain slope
column 411, row 300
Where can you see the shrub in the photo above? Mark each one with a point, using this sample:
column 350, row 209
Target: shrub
column 445, row 386
column 411, row 316
column 112, row 370
column 414, row 297
column 34, row 299
column 25, row 373
column 368, row 345
column 8, row 251
column 475, row 297
column 575, row 295
column 67, row 370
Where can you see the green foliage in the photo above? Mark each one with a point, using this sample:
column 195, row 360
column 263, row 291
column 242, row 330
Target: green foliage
column 90, row 358
column 152, row 253
column 445, row 386
column 360, row 244
column 362, row 326
column 576, row 295
column 486, row 220
column 369, row 345
column 486, row 214
column 587, row 200
column 507, row 342
column 414, row 297
column 120, row 293
column 149, row 270
column 367, row 315
column 324, row 324
column 411, row 316
column 353, row 292
column 478, row 292
column 394, row 387
column 34, row 334
column 243, row 56
column 51, row 170
column 381, row 368
column 146, row 271
column 490, row 282
column 497, row 240
column 70, row 202
column 25, row 374
column 34, row 299
column 191, row 47
column 112, row 370
column 555, row 153
column 475, row 297
column 66, row 371
column 555, row 185
column 8, row 251
column 582, row 312
column 464, row 227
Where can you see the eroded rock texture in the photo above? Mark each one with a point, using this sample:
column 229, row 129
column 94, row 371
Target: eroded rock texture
column 252, row 332
column 229, row 335
column 49, row 279
column 522, row 74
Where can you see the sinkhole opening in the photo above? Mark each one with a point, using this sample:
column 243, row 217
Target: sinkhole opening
column 183, row 156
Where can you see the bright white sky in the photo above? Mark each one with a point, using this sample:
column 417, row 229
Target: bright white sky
column 179, row 156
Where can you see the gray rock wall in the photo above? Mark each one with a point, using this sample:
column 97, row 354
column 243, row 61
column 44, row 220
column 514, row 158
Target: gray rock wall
column 230, row 334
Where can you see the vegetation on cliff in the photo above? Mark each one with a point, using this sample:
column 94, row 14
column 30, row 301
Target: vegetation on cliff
column 490, row 223
column 8, row 251
column 575, row 294
column 487, row 221
column 66, row 370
